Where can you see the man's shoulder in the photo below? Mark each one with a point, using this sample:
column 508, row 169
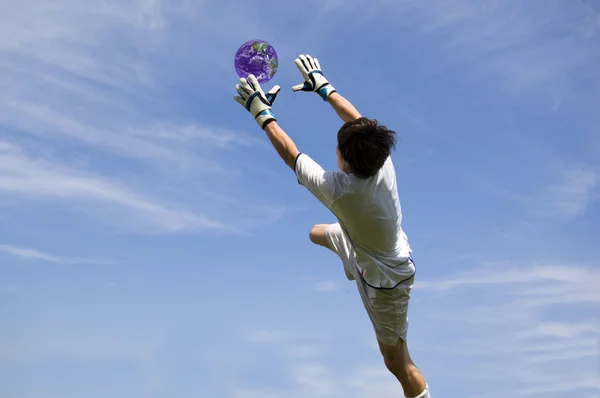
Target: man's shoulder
column 388, row 164
column 387, row 172
column 305, row 163
column 327, row 185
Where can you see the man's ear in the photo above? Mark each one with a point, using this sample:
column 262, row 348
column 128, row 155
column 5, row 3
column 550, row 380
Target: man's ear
column 347, row 167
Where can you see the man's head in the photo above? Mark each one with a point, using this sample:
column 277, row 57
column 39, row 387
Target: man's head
column 363, row 146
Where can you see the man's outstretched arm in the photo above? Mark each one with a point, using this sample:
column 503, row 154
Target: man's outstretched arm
column 314, row 81
column 282, row 143
column 309, row 173
column 343, row 107
column 253, row 98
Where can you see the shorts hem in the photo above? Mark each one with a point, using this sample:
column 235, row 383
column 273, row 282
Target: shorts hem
column 329, row 240
column 391, row 342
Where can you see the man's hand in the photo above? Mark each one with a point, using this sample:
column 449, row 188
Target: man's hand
column 252, row 97
column 313, row 77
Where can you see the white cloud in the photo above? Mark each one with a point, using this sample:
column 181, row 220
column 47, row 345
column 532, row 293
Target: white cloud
column 326, row 286
column 534, row 325
column 309, row 379
column 533, row 282
column 294, row 344
column 542, row 48
column 572, row 195
column 315, row 379
column 26, row 176
column 179, row 143
column 568, row 191
column 37, row 255
column 305, row 351
column 537, row 316
column 208, row 135
column 565, row 330
column 264, row 336
column 255, row 393
column 563, row 385
column 65, row 34
column 55, row 343
column 86, row 82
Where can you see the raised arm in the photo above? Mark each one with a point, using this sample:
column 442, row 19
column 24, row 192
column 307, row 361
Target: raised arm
column 316, row 82
column 252, row 97
column 343, row 107
column 283, row 144
column 309, row 173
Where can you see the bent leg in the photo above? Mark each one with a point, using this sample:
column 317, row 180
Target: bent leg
column 398, row 361
column 333, row 237
column 317, row 235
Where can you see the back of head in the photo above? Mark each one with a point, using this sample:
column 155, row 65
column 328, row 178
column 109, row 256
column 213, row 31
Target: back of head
column 364, row 145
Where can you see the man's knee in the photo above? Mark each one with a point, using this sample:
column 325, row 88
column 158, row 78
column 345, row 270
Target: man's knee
column 399, row 363
column 396, row 358
column 313, row 235
column 392, row 361
column 317, row 235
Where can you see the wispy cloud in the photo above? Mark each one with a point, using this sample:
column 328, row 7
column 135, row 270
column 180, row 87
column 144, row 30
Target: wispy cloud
column 326, row 286
column 180, row 143
column 537, row 316
column 37, row 255
column 565, row 192
column 317, row 379
column 87, row 82
column 213, row 136
column 543, row 318
column 541, row 48
column 263, row 336
column 38, row 177
column 570, row 197
column 309, row 367
column 65, row 35
column 55, row 343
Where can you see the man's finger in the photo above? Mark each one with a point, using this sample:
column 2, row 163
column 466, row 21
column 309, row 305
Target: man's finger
column 274, row 90
column 243, row 93
column 254, row 83
column 301, row 68
column 272, row 94
column 316, row 62
column 311, row 62
column 240, row 100
column 246, row 87
column 305, row 62
column 306, row 86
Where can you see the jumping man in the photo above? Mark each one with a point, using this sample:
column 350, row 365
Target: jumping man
column 363, row 196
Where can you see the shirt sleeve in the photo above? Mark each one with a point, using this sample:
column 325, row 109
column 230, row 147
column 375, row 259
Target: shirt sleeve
column 389, row 168
column 322, row 184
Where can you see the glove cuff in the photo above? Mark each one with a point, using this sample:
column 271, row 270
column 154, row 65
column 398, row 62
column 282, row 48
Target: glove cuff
column 326, row 90
column 265, row 117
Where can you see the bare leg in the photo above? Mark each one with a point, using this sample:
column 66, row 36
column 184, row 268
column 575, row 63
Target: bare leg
column 317, row 235
column 398, row 361
column 338, row 245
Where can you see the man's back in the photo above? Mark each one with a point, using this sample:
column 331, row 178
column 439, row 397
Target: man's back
column 370, row 215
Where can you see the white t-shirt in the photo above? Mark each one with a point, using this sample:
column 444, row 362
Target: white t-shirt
column 369, row 212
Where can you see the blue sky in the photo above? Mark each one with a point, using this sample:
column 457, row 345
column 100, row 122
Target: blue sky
column 152, row 244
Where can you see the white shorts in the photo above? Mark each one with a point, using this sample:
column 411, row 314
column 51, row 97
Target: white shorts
column 387, row 308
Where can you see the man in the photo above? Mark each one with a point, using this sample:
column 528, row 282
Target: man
column 368, row 236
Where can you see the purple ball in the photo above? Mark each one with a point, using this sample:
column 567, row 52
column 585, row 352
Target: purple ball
column 256, row 57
